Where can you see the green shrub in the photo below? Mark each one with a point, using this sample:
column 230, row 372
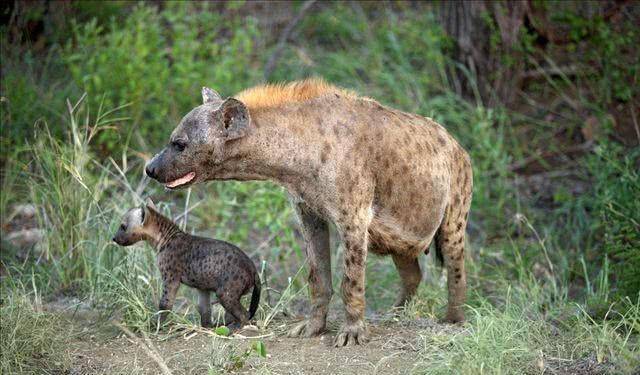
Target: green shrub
column 157, row 61
column 616, row 213
column 33, row 89
column 607, row 46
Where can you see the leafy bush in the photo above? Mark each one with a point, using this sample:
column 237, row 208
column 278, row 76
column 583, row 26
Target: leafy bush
column 157, row 61
column 608, row 49
column 616, row 211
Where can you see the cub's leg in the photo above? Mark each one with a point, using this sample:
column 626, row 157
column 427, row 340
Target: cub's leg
column 169, row 291
column 204, row 308
column 232, row 305
column 316, row 236
column 410, row 277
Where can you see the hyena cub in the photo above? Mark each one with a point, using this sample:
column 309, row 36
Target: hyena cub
column 206, row 264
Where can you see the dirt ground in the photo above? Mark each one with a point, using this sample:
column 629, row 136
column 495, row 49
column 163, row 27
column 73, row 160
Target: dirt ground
column 393, row 349
column 96, row 346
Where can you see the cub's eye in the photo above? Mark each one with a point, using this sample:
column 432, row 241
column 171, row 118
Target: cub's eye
column 123, row 228
column 178, row 145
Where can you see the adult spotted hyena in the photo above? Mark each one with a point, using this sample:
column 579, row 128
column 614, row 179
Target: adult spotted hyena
column 390, row 181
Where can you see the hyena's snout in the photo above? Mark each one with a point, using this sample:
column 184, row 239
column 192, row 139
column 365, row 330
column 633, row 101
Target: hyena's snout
column 150, row 171
column 161, row 166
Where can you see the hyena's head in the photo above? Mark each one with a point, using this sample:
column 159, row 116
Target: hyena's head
column 197, row 147
column 132, row 227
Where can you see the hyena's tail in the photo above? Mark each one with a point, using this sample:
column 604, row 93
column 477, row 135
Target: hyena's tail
column 255, row 297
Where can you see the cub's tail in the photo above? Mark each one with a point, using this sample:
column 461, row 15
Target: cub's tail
column 255, row 297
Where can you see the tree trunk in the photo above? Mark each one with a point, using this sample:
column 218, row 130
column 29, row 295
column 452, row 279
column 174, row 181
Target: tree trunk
column 485, row 33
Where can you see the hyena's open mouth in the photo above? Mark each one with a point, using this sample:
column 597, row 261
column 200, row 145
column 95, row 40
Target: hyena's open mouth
column 181, row 181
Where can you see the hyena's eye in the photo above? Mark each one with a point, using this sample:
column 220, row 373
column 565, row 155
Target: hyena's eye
column 178, row 145
column 123, row 228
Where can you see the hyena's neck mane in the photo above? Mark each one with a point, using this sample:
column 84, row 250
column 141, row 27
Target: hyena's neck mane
column 278, row 148
column 275, row 95
column 161, row 229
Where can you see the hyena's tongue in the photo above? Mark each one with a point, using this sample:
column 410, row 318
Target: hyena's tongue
column 181, row 181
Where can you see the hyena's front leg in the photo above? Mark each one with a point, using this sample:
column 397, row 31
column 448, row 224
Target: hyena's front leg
column 354, row 330
column 316, row 235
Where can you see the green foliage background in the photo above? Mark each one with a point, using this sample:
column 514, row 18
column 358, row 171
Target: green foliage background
column 142, row 67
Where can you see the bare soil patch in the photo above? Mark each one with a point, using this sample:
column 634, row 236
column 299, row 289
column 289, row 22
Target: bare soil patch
column 394, row 348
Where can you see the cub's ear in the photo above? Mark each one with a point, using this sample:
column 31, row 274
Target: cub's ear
column 143, row 214
column 150, row 204
column 235, row 119
column 210, row 95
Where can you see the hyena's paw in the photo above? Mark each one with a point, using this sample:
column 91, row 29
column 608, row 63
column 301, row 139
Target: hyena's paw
column 308, row 328
column 401, row 302
column 352, row 334
column 454, row 317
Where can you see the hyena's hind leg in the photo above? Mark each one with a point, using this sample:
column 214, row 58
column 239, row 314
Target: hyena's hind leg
column 450, row 236
column 410, row 277
column 449, row 242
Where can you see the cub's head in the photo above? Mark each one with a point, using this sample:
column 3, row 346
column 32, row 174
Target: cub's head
column 197, row 146
column 133, row 226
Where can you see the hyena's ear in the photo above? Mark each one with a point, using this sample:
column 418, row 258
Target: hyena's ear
column 235, row 119
column 150, row 204
column 210, row 95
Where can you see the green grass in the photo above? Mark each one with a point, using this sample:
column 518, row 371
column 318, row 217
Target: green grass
column 32, row 340
column 515, row 339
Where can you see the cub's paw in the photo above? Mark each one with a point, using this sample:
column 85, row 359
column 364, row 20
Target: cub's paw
column 308, row 328
column 352, row 334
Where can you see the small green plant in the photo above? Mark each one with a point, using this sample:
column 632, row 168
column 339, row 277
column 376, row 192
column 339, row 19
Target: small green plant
column 222, row 331
column 260, row 348
column 225, row 357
